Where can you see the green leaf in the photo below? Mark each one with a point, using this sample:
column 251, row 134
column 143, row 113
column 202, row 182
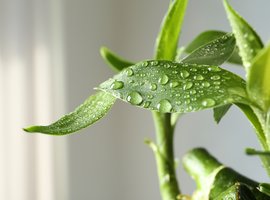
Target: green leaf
column 251, row 152
column 238, row 191
column 170, row 87
column 167, row 40
column 219, row 112
column 114, row 61
column 258, row 80
column 207, row 37
column 265, row 188
column 215, row 52
column 94, row 108
column 202, row 39
column 248, row 41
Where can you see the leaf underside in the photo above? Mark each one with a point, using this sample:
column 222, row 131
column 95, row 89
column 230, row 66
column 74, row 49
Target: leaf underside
column 220, row 112
column 94, row 108
column 171, row 87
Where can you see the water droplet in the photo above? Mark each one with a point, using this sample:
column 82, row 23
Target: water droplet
column 184, row 74
column 146, row 104
column 216, row 77
column 216, row 82
column 198, row 77
column 163, row 79
column 214, row 69
column 145, row 64
column 150, row 96
column 129, row 72
column 131, row 81
column 134, row 98
column 174, row 84
column 116, row 85
column 155, row 62
column 205, row 84
column 187, row 85
column 208, row 102
column 193, row 92
column 187, row 101
column 164, row 106
column 153, row 87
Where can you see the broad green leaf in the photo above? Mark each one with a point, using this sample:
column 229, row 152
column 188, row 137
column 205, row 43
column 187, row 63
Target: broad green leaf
column 170, row 87
column 238, row 191
column 248, row 41
column 114, row 61
column 219, row 112
column 94, row 108
column 167, row 40
column 258, row 80
column 215, row 52
column 207, row 37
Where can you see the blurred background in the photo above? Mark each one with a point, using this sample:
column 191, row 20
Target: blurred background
column 49, row 63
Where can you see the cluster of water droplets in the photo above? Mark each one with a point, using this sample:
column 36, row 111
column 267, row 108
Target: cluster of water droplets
column 171, row 87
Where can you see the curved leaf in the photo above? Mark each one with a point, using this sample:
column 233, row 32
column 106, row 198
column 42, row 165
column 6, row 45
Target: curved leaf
column 208, row 36
column 170, row 87
column 167, row 40
column 114, row 61
column 94, row 108
column 215, row 52
column 258, row 80
column 219, row 112
column 248, row 41
column 264, row 188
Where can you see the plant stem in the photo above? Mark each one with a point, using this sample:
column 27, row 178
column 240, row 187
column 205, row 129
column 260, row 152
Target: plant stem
column 165, row 156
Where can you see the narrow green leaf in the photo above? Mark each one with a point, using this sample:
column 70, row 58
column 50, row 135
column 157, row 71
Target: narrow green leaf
column 170, row 87
column 207, row 37
column 258, row 80
column 219, row 112
column 167, row 40
column 215, row 52
column 265, row 188
column 251, row 152
column 94, row 108
column 114, row 61
column 248, row 41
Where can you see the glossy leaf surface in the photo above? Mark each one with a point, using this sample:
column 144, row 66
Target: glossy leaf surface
column 248, row 41
column 167, row 40
column 209, row 36
column 170, row 87
column 265, row 188
column 215, row 52
column 258, row 80
column 114, row 61
column 94, row 108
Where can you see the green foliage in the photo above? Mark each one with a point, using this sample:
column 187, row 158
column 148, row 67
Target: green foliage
column 170, row 87
column 248, row 41
column 94, row 108
column 167, row 40
column 220, row 112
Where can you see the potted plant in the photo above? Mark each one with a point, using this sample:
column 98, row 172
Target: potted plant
column 183, row 80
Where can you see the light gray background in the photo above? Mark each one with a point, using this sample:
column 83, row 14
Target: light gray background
column 110, row 160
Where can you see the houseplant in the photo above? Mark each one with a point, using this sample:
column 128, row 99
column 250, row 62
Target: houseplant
column 173, row 84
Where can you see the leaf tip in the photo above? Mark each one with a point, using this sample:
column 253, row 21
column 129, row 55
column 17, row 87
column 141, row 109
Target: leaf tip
column 31, row 129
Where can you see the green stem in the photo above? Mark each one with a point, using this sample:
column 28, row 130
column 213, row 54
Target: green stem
column 165, row 157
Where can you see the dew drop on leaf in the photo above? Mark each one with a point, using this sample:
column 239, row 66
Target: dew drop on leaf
column 153, row 87
column 163, row 79
column 116, row 85
column 184, row 74
column 205, row 84
column 164, row 106
column 208, row 102
column 187, row 85
column 134, row 98
column 174, row 84
column 129, row 72
column 198, row 77
column 146, row 104
column 216, row 77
